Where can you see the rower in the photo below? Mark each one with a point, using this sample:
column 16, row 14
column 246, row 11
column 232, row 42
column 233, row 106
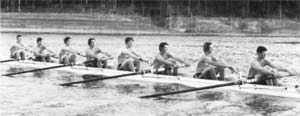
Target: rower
column 166, row 61
column 209, row 65
column 128, row 59
column 41, row 52
column 67, row 54
column 94, row 55
column 262, row 75
column 18, row 50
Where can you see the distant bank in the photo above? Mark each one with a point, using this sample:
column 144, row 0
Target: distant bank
column 120, row 24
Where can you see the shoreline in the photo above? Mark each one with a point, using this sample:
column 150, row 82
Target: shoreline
column 133, row 33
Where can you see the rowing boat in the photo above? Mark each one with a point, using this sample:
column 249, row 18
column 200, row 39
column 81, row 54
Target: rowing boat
column 288, row 92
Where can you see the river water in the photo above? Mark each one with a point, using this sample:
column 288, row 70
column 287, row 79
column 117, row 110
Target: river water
column 39, row 94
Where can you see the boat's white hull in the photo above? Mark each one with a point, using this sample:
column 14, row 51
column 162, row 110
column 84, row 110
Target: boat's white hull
column 290, row 92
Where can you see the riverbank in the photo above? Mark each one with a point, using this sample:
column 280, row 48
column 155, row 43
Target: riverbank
column 116, row 24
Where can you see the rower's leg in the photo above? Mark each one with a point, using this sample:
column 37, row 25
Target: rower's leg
column 137, row 64
column 47, row 58
column 22, row 55
column 210, row 74
column 72, row 59
column 270, row 80
column 221, row 71
column 128, row 65
column 43, row 58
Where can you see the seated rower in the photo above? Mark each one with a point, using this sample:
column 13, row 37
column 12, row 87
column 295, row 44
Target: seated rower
column 41, row 53
column 93, row 56
column 209, row 66
column 128, row 59
column 18, row 50
column 262, row 75
column 67, row 54
column 166, row 61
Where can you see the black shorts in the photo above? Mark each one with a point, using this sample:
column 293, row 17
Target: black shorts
column 93, row 63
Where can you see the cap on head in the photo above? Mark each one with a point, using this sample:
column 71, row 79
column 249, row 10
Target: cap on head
column 261, row 49
column 127, row 39
column 39, row 39
column 90, row 41
column 206, row 46
column 67, row 39
column 162, row 45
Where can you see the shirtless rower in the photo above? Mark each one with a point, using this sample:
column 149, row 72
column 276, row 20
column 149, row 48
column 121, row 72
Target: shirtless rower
column 67, row 54
column 41, row 52
column 18, row 50
column 259, row 72
column 94, row 55
column 209, row 66
column 167, row 61
column 128, row 59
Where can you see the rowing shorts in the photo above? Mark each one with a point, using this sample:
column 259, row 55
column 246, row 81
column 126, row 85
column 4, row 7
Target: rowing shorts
column 94, row 63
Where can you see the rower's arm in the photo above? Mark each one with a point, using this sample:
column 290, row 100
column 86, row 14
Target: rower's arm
column 71, row 51
column 161, row 59
column 178, row 59
column 255, row 65
column 278, row 67
column 130, row 54
column 107, row 54
column 215, row 63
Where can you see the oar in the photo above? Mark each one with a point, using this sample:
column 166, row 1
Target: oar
column 3, row 61
column 103, row 78
column 195, row 89
column 34, row 70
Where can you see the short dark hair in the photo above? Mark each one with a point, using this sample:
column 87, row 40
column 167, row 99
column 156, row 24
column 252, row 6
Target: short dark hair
column 127, row 39
column 261, row 49
column 162, row 45
column 67, row 39
column 39, row 39
column 19, row 36
column 206, row 46
column 90, row 40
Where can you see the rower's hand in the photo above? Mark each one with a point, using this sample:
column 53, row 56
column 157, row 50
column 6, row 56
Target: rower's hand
column 232, row 69
column 187, row 65
column 80, row 54
column 110, row 57
column 276, row 75
column 292, row 73
column 175, row 66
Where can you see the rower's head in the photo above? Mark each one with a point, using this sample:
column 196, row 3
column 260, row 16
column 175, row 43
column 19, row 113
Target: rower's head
column 207, row 47
column 39, row 41
column 19, row 38
column 91, row 42
column 260, row 51
column 67, row 40
column 163, row 47
column 129, row 41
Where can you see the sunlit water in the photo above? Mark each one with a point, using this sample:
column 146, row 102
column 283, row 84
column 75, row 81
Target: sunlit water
column 39, row 93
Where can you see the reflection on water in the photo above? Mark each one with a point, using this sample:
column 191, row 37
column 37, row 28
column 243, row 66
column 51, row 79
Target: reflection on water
column 266, row 106
column 15, row 69
column 129, row 88
column 211, row 95
column 92, row 84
